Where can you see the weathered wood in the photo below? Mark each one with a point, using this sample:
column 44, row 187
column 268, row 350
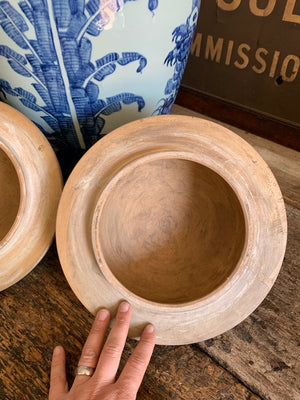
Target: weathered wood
column 41, row 311
column 263, row 351
column 179, row 373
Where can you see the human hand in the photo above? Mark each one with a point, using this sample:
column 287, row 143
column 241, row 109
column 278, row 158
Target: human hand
column 105, row 359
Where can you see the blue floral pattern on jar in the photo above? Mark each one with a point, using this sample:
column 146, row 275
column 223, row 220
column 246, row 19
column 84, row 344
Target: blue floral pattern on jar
column 54, row 44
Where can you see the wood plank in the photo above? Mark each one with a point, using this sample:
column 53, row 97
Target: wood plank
column 282, row 133
column 41, row 311
column 263, row 351
column 183, row 372
column 283, row 161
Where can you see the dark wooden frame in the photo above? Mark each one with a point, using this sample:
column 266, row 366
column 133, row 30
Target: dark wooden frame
column 251, row 121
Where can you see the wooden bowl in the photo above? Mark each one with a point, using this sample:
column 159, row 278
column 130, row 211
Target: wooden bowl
column 31, row 184
column 179, row 216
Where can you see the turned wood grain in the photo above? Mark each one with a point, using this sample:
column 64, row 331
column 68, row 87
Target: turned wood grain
column 171, row 231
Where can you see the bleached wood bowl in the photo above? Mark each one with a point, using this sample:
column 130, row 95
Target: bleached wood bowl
column 179, row 216
column 31, row 184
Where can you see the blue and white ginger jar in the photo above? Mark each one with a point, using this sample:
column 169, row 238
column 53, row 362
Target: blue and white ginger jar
column 81, row 68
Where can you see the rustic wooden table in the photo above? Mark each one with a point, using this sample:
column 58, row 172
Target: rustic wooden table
column 258, row 359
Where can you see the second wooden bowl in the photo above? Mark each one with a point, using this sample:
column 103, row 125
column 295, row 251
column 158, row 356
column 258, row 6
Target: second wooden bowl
column 31, row 185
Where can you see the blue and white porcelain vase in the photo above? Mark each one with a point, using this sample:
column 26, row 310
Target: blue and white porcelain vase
column 81, row 68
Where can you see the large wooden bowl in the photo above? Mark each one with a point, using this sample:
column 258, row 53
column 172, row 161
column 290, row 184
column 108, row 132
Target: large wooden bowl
column 31, row 184
column 180, row 217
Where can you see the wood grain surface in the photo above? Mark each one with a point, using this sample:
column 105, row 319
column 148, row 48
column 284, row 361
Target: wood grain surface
column 41, row 311
column 263, row 351
column 258, row 359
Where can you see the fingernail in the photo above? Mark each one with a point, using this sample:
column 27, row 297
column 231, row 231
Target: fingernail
column 102, row 315
column 58, row 350
column 124, row 306
column 149, row 329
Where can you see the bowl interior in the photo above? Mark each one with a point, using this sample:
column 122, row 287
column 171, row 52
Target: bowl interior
column 10, row 194
column 171, row 230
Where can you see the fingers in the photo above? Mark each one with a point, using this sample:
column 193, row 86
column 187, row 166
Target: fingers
column 111, row 354
column 58, row 381
column 105, row 358
column 93, row 345
column 135, row 368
